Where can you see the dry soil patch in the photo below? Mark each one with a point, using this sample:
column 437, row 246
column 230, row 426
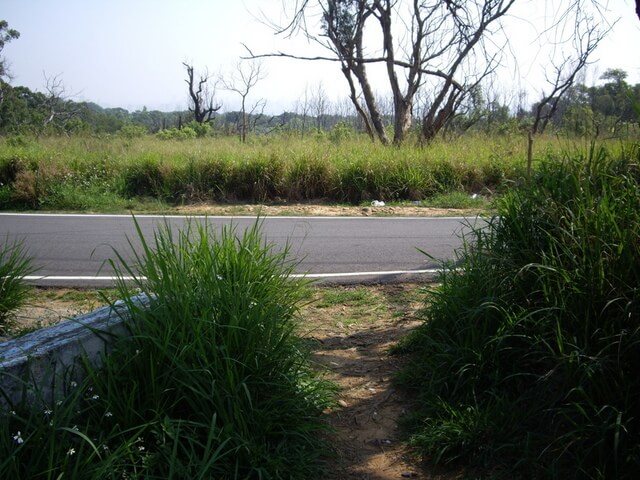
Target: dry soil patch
column 301, row 209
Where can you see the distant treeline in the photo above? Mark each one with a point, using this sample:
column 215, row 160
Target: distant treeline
column 597, row 110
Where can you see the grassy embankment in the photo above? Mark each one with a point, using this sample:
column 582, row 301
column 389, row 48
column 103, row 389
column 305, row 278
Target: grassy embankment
column 149, row 174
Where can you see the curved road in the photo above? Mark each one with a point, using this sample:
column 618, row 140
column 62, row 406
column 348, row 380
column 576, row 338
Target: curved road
column 70, row 250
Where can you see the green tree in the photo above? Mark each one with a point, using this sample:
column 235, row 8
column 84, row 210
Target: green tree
column 6, row 35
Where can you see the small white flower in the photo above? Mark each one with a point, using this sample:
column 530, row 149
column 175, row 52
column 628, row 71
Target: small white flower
column 48, row 412
column 12, row 412
column 18, row 438
column 59, row 402
column 141, row 448
column 71, row 451
column 95, row 397
column 74, row 384
column 108, row 414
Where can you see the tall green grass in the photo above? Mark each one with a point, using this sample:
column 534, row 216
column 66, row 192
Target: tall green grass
column 84, row 173
column 210, row 383
column 15, row 264
column 527, row 363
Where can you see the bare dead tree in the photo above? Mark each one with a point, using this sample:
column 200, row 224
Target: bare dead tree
column 242, row 82
column 302, row 108
column 421, row 40
column 320, row 104
column 58, row 108
column 201, row 95
column 344, row 109
column 563, row 73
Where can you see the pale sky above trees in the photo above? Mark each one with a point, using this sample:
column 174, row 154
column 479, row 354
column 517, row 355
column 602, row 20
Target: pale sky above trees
column 123, row 53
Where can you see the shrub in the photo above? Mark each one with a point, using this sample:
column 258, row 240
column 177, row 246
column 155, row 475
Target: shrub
column 133, row 131
column 9, row 169
column 341, row 132
column 201, row 129
column 183, row 133
column 19, row 140
column 527, row 361
column 29, row 188
column 210, row 383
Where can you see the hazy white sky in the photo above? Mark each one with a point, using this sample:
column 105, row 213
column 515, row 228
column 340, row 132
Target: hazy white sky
column 129, row 53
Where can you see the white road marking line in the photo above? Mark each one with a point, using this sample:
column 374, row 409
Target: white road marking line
column 429, row 271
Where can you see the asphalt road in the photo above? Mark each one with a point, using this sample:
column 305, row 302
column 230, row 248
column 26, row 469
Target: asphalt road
column 70, row 250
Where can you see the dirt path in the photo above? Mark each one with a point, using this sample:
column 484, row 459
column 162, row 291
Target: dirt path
column 367, row 435
column 353, row 339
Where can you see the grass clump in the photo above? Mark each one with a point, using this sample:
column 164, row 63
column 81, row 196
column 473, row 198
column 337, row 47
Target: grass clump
column 15, row 264
column 527, row 363
column 210, row 383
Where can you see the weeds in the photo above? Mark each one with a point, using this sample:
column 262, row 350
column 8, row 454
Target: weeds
column 15, row 264
column 211, row 382
column 525, row 366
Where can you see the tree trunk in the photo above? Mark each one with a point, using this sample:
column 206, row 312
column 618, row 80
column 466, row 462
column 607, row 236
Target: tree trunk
column 354, row 100
column 370, row 101
column 402, row 120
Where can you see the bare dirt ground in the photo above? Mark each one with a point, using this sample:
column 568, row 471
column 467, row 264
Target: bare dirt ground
column 301, row 209
column 351, row 329
column 352, row 343
column 47, row 307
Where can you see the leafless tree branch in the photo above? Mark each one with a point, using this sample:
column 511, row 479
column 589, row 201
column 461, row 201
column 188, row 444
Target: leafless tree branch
column 201, row 96
column 242, row 82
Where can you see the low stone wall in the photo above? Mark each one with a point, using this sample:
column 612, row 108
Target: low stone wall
column 43, row 362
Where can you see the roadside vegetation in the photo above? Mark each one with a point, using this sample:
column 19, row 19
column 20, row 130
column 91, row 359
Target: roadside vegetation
column 144, row 173
column 15, row 264
column 211, row 383
column 526, row 364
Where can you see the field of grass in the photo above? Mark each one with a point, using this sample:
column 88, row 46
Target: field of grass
column 142, row 174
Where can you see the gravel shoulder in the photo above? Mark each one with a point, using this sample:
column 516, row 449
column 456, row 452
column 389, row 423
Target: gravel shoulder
column 301, row 209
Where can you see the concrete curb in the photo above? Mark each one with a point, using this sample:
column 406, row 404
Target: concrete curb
column 43, row 362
